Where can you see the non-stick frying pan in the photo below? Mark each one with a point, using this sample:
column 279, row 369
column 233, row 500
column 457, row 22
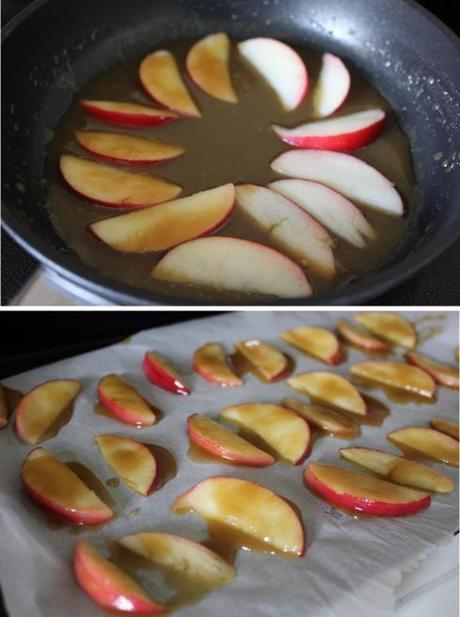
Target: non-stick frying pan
column 401, row 49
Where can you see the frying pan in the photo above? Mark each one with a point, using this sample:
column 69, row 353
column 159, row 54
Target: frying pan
column 400, row 48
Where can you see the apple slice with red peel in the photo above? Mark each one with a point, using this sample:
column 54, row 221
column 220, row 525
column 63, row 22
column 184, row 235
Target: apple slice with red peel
column 281, row 67
column 207, row 64
column 396, row 375
column 221, row 442
column 317, row 342
column 114, row 187
column 332, row 87
column 282, row 430
column 267, row 360
column 328, row 420
column 160, row 76
column 428, row 443
column 290, row 227
column 328, row 207
column 390, row 326
column 4, row 411
column 127, row 114
column 124, row 401
column 344, row 173
column 360, row 337
column 166, row 225
column 161, row 373
column 398, row 469
column 268, row 522
column 330, row 388
column 233, row 264
column 54, row 486
column 210, row 362
column 446, row 426
column 190, row 560
column 108, row 586
column 127, row 149
column 441, row 373
column 131, row 460
column 42, row 406
column 357, row 491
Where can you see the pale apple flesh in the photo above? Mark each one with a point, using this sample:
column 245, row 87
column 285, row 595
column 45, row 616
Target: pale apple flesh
column 327, row 420
column 441, row 373
column 356, row 491
column 330, row 388
column 55, row 487
column 124, row 401
column 267, row 360
column 332, row 86
column 390, row 326
column 210, row 362
column 427, row 443
column 161, row 373
column 128, row 114
column 360, row 337
column 446, row 426
column 317, row 342
column 4, row 411
column 396, row 375
column 42, row 406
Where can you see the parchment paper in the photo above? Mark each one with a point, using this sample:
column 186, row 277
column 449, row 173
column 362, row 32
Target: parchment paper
column 351, row 566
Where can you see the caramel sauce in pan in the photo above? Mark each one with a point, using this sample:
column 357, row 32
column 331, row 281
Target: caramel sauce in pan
column 230, row 143
column 401, row 397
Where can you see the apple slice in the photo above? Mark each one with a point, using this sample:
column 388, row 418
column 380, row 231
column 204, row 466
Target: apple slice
column 42, row 406
column 330, row 208
column 210, row 362
column 342, row 134
column 317, row 342
column 128, row 114
column 131, row 460
column 357, row 491
column 166, row 225
column 262, row 519
column 343, row 173
column 332, row 86
column 4, row 411
column 108, row 586
column 398, row 470
column 54, row 486
column 124, row 401
column 114, row 187
column 396, row 375
column 446, row 426
column 441, row 373
column 293, row 229
column 390, row 326
column 122, row 148
column 221, row 442
column 360, row 337
column 161, row 373
column 207, row 64
column 233, row 264
column 159, row 74
column 330, row 388
column 282, row 430
column 192, row 561
column 327, row 420
column 426, row 442
column 267, row 360
column 281, row 67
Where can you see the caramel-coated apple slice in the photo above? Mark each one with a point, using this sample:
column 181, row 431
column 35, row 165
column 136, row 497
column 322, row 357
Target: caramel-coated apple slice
column 210, row 362
column 360, row 337
column 267, row 360
column 187, row 559
column 332, row 86
column 426, row 443
column 327, row 420
column 3, row 408
column 389, row 326
column 357, row 491
column 317, row 342
column 441, row 373
column 396, row 375
column 131, row 460
column 282, row 430
column 446, row 426
column 127, row 114
column 160, row 76
column 330, row 388
column 398, row 469
column 166, row 225
column 124, row 401
column 161, row 373
column 257, row 517
column 108, row 586
column 221, row 442
column 207, row 64
column 54, row 486
column 112, row 187
column 39, row 409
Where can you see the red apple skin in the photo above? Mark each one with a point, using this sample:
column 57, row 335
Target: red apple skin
column 121, row 412
column 125, row 118
column 157, row 375
column 352, row 335
column 352, row 502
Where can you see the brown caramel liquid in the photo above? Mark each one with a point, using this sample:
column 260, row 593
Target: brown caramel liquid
column 230, row 143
